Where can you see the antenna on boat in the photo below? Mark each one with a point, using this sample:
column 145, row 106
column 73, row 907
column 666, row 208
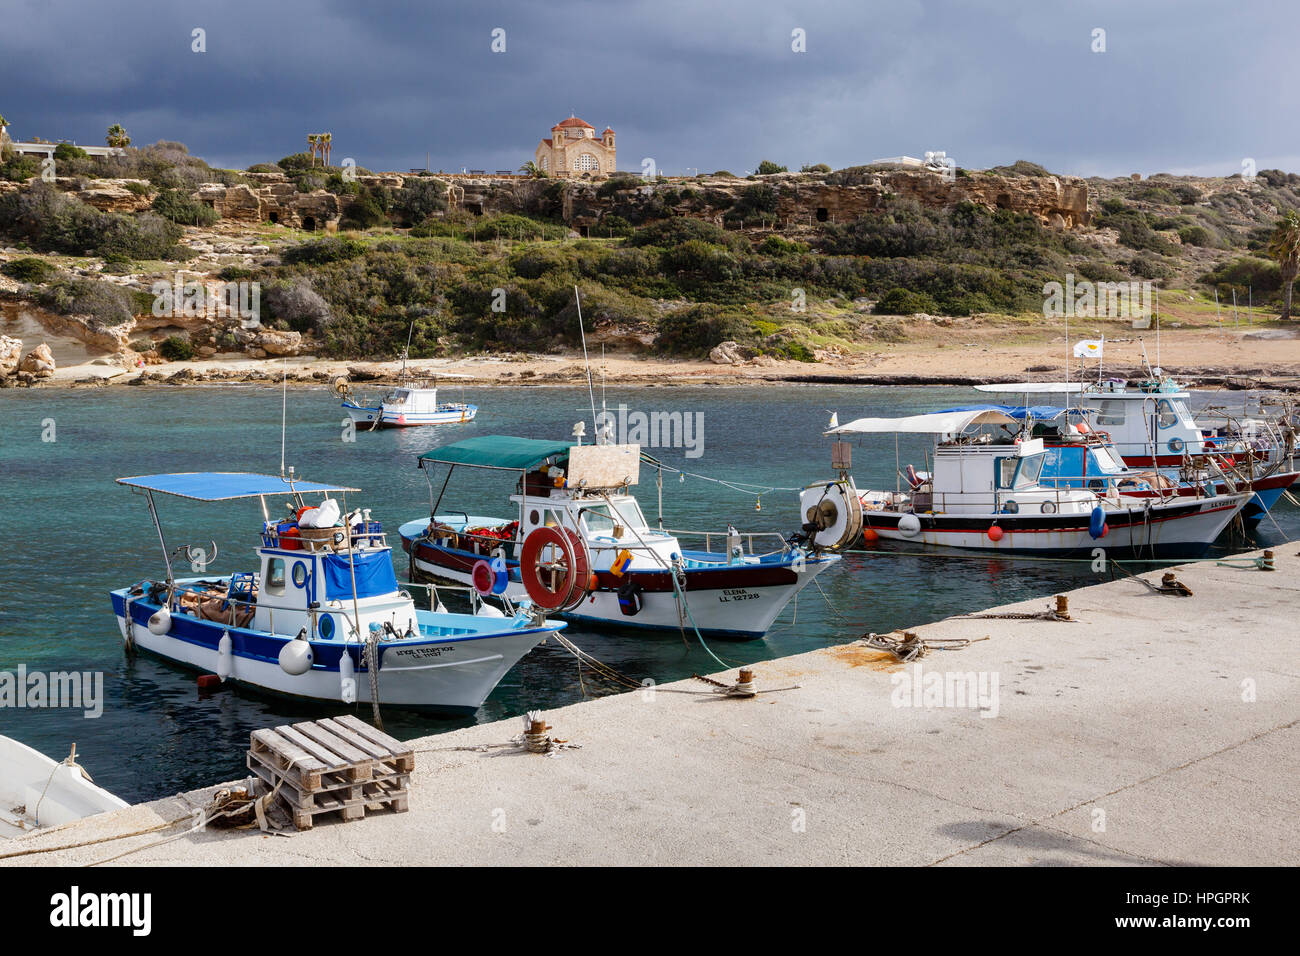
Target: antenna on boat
column 407, row 351
column 591, row 393
column 284, row 406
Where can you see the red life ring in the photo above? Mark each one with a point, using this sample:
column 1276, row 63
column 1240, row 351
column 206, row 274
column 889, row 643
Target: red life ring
column 483, row 577
column 554, row 568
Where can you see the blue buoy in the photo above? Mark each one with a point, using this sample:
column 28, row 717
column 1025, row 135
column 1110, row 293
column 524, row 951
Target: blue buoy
column 500, row 579
column 1097, row 526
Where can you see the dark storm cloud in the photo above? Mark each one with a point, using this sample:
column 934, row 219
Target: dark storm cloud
column 1183, row 86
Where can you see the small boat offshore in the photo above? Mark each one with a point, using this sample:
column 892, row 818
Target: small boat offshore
column 322, row 616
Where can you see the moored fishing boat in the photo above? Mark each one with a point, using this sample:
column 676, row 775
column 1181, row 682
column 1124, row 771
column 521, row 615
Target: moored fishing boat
column 322, row 617
column 578, row 544
column 984, row 492
column 1152, row 428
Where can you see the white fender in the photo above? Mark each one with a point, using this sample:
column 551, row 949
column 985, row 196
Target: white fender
column 909, row 525
column 225, row 656
column 296, row 657
column 160, row 622
column 489, row 610
column 347, row 679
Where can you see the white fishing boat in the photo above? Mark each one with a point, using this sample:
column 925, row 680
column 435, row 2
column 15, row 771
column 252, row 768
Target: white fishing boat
column 322, row 617
column 37, row 792
column 983, row 491
column 413, row 402
column 577, row 543
column 1151, row 427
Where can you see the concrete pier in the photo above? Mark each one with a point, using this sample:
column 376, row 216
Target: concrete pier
column 1153, row 729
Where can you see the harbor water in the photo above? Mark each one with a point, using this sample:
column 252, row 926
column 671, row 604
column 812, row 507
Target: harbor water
column 73, row 534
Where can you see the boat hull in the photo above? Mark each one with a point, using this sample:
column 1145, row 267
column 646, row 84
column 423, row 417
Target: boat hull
column 1167, row 531
column 732, row 602
column 445, row 675
column 380, row 416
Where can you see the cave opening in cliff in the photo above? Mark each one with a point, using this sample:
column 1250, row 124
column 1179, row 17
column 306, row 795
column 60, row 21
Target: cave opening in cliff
column 822, row 214
column 274, row 218
column 309, row 223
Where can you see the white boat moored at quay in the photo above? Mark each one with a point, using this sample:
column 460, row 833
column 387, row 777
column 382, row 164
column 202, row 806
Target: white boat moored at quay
column 984, row 492
column 322, row 617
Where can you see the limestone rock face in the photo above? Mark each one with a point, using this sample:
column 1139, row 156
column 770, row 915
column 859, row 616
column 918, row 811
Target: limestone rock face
column 730, row 353
column 275, row 200
column 11, row 351
column 39, row 362
column 112, row 195
column 278, row 343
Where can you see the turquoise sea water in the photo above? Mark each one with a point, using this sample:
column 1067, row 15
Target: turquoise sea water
column 72, row 535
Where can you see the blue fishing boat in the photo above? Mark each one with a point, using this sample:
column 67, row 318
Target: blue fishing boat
column 322, row 616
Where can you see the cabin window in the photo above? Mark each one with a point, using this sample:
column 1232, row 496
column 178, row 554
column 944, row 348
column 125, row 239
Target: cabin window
column 1006, row 472
column 1030, row 469
column 533, row 517
column 552, row 519
column 275, row 576
column 597, row 519
column 1166, row 417
column 300, row 574
column 1110, row 413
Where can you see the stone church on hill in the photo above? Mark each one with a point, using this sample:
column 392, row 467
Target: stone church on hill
column 574, row 151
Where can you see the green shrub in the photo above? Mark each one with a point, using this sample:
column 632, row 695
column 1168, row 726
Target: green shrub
column 320, row 251
column 898, row 301
column 1197, row 236
column 697, row 329
column 65, row 152
column 176, row 348
column 29, row 269
column 815, row 168
column 19, row 169
column 766, row 167
column 102, row 301
column 173, row 205
column 137, row 187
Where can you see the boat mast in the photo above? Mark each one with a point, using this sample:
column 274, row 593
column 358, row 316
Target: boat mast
column 591, row 393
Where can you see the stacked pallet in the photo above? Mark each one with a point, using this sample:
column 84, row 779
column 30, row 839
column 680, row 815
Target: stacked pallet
column 338, row 765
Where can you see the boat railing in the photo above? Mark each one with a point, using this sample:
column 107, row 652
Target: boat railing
column 494, row 543
column 748, row 537
column 337, row 540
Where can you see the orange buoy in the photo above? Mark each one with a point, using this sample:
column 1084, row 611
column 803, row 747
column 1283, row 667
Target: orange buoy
column 869, row 534
column 995, row 533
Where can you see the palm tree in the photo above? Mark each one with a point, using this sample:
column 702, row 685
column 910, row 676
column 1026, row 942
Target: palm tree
column 327, row 144
column 117, row 137
column 1284, row 246
column 313, row 141
column 531, row 168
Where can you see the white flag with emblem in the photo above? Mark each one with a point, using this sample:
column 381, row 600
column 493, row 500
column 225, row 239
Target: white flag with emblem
column 1088, row 348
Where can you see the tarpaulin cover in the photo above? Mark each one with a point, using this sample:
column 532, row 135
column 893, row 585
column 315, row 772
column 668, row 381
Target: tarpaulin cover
column 374, row 575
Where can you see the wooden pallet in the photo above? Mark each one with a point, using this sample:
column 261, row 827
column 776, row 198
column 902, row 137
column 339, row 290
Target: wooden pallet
column 340, row 764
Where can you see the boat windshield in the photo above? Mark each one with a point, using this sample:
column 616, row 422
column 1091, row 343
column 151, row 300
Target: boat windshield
column 599, row 519
column 1029, row 470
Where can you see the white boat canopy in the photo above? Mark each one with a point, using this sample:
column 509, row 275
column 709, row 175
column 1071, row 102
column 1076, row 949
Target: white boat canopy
column 937, row 423
column 1020, row 388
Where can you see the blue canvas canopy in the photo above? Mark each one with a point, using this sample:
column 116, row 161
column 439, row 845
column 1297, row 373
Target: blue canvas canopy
column 1039, row 413
column 226, row 485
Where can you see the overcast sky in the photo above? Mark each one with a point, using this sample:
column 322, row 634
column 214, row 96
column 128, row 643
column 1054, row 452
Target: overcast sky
column 1183, row 86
